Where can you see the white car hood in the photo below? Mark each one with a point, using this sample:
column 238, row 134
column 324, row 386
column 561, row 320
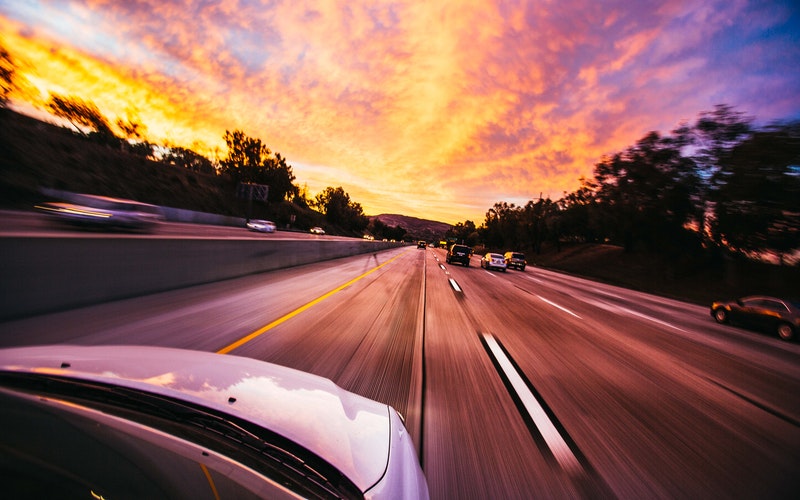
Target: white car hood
column 349, row 431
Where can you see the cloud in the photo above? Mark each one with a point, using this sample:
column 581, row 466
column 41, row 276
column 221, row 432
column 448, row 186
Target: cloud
column 434, row 109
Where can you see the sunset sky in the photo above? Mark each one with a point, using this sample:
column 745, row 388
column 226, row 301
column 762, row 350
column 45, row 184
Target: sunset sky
column 434, row 109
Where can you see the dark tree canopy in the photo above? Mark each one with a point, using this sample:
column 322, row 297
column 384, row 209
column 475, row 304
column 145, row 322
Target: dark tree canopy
column 7, row 72
column 465, row 233
column 717, row 184
column 382, row 231
column 188, row 159
column 131, row 128
column 81, row 114
column 757, row 193
column 339, row 210
column 251, row 161
column 648, row 192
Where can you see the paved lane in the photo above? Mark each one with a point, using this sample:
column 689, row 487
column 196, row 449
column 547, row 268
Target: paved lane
column 658, row 399
column 649, row 395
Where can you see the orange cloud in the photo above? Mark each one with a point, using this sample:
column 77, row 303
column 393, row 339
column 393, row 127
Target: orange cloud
column 432, row 109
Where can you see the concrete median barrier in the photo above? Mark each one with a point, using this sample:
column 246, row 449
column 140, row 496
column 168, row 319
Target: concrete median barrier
column 41, row 275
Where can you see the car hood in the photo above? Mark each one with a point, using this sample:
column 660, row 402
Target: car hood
column 349, row 431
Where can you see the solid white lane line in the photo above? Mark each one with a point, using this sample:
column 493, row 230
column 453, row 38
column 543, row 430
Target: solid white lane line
column 559, row 447
column 559, row 307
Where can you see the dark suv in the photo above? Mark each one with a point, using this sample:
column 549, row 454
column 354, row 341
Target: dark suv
column 459, row 253
column 515, row 259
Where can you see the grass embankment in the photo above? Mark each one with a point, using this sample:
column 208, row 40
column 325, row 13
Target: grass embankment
column 693, row 282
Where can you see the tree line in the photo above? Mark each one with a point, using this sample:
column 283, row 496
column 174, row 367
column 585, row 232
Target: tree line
column 718, row 185
column 247, row 161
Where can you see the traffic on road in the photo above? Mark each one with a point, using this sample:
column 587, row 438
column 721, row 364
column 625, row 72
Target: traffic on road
column 511, row 385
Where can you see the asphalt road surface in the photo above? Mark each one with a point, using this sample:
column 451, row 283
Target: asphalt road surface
column 514, row 385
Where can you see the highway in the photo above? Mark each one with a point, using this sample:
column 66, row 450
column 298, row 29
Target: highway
column 26, row 223
column 527, row 384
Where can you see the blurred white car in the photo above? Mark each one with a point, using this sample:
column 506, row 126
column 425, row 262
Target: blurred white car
column 260, row 225
column 103, row 212
column 317, row 230
column 493, row 261
column 152, row 422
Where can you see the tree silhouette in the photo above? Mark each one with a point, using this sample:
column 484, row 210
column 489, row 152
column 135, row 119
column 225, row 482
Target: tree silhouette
column 249, row 160
column 339, row 210
column 647, row 191
column 579, row 215
column 83, row 115
column 7, row 73
column 131, row 128
column 465, row 233
column 188, row 159
column 757, row 193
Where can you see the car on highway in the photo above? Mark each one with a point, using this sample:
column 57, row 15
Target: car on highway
column 155, row 422
column 493, row 261
column 422, row 244
column 317, row 230
column 770, row 314
column 459, row 253
column 261, row 225
column 515, row 259
column 103, row 212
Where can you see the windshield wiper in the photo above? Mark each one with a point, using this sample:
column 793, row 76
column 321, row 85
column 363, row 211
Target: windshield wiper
column 261, row 449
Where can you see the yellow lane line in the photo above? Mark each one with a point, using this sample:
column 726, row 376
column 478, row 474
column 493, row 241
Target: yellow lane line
column 264, row 329
column 210, row 481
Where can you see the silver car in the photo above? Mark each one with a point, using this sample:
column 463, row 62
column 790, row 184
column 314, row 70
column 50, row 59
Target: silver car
column 151, row 422
column 493, row 261
column 260, row 225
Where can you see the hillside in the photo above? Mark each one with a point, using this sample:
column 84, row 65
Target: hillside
column 418, row 229
column 35, row 154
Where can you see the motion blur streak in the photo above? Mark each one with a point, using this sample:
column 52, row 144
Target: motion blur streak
column 559, row 307
column 265, row 329
column 650, row 318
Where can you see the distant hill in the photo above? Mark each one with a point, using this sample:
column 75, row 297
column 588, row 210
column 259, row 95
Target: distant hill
column 417, row 229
